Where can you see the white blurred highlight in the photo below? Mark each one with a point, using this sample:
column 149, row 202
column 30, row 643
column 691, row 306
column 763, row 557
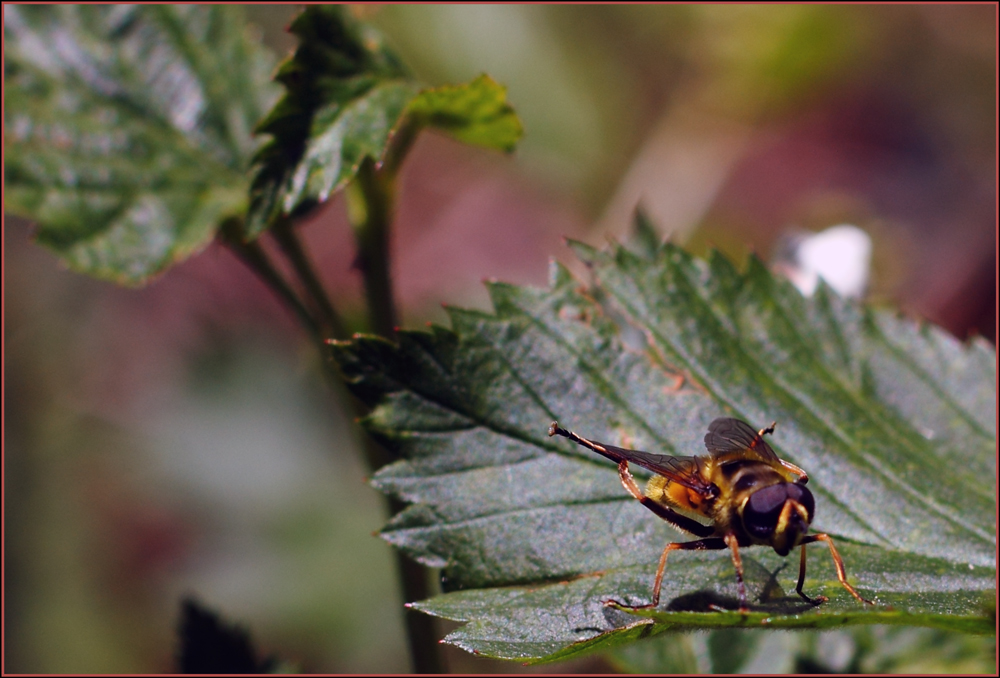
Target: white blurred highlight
column 840, row 255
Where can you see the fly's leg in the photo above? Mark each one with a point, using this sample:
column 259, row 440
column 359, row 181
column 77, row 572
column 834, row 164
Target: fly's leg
column 656, row 584
column 711, row 544
column 741, row 591
column 837, row 562
column 628, row 482
column 818, row 600
column 668, row 514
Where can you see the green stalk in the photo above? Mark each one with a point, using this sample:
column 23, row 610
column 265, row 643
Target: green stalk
column 371, row 208
column 253, row 255
column 421, row 629
column 331, row 324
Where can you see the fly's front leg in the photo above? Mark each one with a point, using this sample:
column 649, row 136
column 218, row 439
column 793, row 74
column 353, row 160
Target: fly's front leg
column 837, row 562
column 818, row 600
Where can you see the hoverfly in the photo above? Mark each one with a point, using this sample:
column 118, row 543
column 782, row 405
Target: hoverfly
column 750, row 496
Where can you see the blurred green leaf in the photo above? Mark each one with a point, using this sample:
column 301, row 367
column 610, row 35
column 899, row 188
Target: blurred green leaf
column 475, row 113
column 347, row 98
column 892, row 420
column 666, row 653
column 730, row 649
column 127, row 128
column 762, row 62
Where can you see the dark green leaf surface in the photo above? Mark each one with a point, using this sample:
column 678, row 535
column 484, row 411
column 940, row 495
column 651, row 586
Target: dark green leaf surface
column 127, row 129
column 835, row 379
column 347, row 97
column 344, row 94
column 534, row 534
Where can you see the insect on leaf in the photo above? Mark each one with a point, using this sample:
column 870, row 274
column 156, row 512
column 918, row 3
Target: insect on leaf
column 893, row 421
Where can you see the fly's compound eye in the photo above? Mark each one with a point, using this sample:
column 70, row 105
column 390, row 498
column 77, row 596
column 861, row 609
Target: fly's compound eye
column 760, row 513
column 803, row 496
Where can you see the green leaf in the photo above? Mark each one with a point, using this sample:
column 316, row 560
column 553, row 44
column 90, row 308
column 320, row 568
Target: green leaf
column 730, row 649
column 893, row 421
column 127, row 129
column 475, row 113
column 666, row 653
column 348, row 97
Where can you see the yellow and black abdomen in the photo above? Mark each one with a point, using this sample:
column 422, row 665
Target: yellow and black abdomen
column 677, row 496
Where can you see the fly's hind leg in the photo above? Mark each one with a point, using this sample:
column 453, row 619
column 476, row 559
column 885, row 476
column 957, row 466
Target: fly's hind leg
column 676, row 519
column 711, row 544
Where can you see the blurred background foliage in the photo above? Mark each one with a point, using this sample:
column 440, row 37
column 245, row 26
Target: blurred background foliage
column 177, row 439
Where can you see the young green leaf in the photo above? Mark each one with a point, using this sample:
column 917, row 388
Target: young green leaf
column 892, row 421
column 348, row 97
column 476, row 113
column 127, row 129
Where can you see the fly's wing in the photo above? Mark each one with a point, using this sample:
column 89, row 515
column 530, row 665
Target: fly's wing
column 729, row 438
column 685, row 471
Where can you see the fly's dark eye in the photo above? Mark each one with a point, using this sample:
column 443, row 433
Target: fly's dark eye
column 804, row 497
column 760, row 514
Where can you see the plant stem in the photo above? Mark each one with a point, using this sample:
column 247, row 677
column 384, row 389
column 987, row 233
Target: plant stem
column 370, row 199
column 370, row 202
column 399, row 146
column 421, row 630
column 253, row 255
column 370, row 208
column 331, row 324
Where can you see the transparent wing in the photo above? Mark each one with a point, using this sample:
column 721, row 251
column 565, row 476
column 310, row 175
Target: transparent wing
column 685, row 471
column 728, row 437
